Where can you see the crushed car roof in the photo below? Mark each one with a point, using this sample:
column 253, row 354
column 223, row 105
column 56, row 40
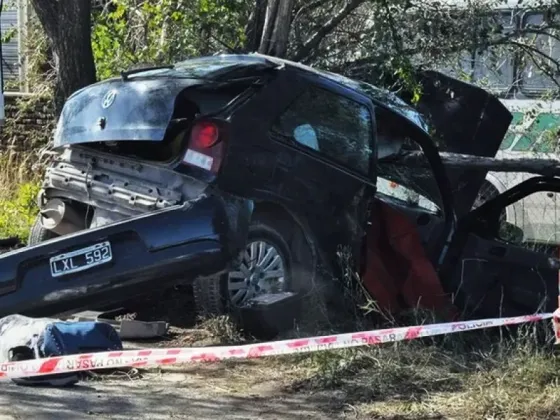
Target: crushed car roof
column 213, row 65
column 378, row 95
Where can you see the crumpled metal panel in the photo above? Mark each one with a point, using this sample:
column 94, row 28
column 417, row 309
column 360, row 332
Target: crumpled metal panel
column 117, row 184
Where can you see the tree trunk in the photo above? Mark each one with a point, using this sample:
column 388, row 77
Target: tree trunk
column 546, row 167
column 254, row 29
column 276, row 28
column 67, row 24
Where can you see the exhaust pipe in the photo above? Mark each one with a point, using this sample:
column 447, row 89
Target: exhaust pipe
column 62, row 219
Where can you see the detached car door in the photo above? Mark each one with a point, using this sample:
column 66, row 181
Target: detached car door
column 495, row 267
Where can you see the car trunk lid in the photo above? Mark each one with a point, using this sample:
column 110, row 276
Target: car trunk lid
column 117, row 110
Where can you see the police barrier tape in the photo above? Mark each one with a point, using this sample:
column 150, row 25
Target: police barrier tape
column 163, row 356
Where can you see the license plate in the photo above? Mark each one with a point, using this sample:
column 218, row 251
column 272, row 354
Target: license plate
column 81, row 259
column 198, row 159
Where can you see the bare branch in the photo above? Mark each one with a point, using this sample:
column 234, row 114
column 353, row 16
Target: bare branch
column 315, row 39
column 546, row 56
column 546, row 167
column 308, row 6
column 539, row 32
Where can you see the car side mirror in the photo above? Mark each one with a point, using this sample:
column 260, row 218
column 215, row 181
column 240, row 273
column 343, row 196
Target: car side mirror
column 510, row 233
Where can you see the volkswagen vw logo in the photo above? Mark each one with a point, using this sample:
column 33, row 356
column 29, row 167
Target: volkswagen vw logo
column 109, row 98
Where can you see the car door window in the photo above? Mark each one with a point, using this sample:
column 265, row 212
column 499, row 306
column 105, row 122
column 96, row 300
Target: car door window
column 532, row 221
column 335, row 126
column 407, row 196
column 410, row 186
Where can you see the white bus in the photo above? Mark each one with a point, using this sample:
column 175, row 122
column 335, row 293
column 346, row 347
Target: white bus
column 535, row 129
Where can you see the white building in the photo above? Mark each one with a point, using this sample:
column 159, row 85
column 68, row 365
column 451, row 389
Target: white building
column 13, row 21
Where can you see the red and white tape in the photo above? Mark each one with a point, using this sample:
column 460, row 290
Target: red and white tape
column 162, row 356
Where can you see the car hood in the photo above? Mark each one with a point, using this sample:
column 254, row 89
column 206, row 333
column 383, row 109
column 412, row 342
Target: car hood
column 116, row 109
column 462, row 118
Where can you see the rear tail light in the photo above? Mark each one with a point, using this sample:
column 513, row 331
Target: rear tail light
column 205, row 147
column 204, row 135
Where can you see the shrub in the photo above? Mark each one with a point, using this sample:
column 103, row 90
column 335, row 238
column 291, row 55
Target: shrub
column 18, row 210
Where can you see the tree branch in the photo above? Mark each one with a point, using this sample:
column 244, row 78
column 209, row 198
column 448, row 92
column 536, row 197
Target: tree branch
column 541, row 68
column 546, row 167
column 315, row 39
column 298, row 14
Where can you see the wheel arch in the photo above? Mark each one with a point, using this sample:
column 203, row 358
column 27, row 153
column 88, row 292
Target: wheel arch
column 285, row 214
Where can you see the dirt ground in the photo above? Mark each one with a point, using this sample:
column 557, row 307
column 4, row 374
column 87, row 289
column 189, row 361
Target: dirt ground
column 468, row 376
column 245, row 391
column 257, row 389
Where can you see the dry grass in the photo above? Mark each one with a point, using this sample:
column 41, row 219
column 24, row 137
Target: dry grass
column 473, row 376
column 509, row 373
column 494, row 374
column 479, row 375
column 17, row 168
column 222, row 330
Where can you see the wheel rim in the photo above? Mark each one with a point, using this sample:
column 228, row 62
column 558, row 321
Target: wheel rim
column 261, row 272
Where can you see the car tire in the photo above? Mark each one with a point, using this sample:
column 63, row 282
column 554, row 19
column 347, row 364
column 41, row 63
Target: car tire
column 38, row 233
column 208, row 297
column 212, row 297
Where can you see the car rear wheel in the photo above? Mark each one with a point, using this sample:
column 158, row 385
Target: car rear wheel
column 273, row 261
column 262, row 270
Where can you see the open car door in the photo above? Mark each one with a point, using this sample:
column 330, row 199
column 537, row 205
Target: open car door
column 464, row 119
column 502, row 261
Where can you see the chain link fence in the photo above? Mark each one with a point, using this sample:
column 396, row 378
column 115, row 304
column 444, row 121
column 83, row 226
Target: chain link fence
column 533, row 221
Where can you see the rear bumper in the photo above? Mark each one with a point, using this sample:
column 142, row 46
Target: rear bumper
column 150, row 252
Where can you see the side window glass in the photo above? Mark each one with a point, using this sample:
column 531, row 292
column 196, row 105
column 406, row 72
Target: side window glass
column 331, row 124
column 534, row 80
column 404, row 194
column 413, row 188
column 532, row 222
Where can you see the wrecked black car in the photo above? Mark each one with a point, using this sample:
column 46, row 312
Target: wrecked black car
column 308, row 150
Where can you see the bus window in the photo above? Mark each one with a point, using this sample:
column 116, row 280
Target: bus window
column 491, row 67
column 533, row 80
